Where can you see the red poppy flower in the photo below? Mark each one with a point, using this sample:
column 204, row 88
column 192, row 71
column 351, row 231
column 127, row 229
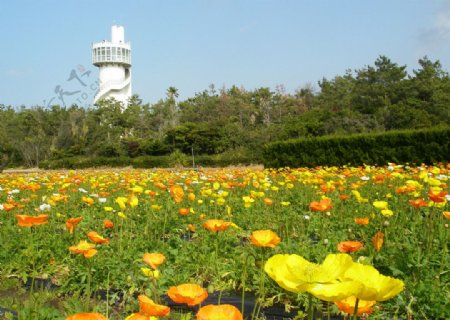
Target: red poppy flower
column 418, row 203
column 362, row 221
column 349, row 246
column 438, row 196
column 108, row 224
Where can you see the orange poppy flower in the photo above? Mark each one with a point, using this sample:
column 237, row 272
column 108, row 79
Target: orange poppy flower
column 348, row 306
column 191, row 294
column 184, row 211
column 191, row 196
column 84, row 248
column 154, row 260
column 95, row 237
column 326, row 189
column 264, row 238
column 150, row 308
column 219, row 312
column 379, row 179
column 349, row 246
column 405, row 189
column 72, row 223
column 177, row 193
column 268, row 201
column 378, row 240
column 160, row 185
column 418, row 203
column 446, row 214
column 108, row 224
column 29, row 221
column 152, row 193
column 343, row 197
column 87, row 316
column 8, row 206
column 362, row 221
column 322, row 205
column 216, row 225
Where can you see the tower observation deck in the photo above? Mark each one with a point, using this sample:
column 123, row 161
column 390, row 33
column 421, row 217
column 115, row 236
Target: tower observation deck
column 113, row 58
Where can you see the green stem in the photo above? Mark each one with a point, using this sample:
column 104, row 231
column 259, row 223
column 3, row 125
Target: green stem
column 355, row 311
column 310, row 308
column 155, row 290
column 120, row 238
column 216, row 264
column 244, row 278
column 107, row 296
column 33, row 262
column 164, row 227
column 88, row 285
column 261, row 296
column 430, row 222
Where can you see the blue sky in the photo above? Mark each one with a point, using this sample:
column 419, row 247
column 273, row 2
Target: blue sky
column 190, row 44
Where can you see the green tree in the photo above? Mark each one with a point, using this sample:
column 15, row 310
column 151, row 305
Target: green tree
column 378, row 87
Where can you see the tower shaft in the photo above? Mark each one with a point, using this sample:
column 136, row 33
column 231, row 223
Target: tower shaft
column 113, row 58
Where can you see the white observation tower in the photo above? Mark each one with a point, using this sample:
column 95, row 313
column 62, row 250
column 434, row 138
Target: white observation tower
column 113, row 58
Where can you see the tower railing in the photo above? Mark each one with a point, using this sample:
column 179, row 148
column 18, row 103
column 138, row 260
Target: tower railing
column 111, row 52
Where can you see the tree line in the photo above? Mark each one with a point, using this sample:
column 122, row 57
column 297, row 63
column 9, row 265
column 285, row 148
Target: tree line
column 374, row 98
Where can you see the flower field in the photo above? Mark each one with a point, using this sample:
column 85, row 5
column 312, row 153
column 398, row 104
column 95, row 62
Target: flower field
column 322, row 243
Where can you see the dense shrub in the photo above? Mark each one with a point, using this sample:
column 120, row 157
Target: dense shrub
column 413, row 146
column 153, row 147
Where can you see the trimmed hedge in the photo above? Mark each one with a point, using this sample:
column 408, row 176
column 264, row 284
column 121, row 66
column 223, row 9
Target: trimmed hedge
column 182, row 160
column 80, row 162
column 412, row 146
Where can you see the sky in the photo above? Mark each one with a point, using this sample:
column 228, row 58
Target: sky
column 190, row 44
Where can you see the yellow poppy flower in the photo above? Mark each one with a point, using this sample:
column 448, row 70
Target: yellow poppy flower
column 133, row 201
column 296, row 274
column 155, row 274
column 382, row 205
column 387, row 212
column 122, row 202
column 375, row 286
